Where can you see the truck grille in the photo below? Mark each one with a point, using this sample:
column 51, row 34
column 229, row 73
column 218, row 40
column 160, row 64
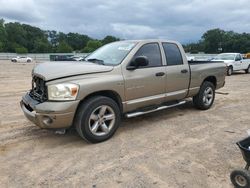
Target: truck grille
column 39, row 89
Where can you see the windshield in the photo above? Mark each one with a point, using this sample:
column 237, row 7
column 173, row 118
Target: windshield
column 111, row 54
column 225, row 57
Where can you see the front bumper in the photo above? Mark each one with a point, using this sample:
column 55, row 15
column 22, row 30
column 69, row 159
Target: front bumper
column 49, row 114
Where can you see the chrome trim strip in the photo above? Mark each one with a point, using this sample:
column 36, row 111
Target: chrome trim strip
column 154, row 97
column 193, row 88
column 145, row 99
column 176, row 93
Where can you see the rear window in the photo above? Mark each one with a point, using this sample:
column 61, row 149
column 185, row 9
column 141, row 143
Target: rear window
column 173, row 54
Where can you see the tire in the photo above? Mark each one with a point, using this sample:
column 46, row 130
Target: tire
column 205, row 98
column 247, row 70
column 94, row 121
column 229, row 70
column 28, row 61
column 240, row 178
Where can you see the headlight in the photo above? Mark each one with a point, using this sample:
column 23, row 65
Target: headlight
column 62, row 92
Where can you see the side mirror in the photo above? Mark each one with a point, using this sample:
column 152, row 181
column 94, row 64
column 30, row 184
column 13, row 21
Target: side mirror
column 140, row 61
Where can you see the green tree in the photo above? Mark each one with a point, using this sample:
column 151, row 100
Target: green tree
column 21, row 50
column 53, row 38
column 92, row 45
column 32, row 35
column 213, row 40
column 194, row 47
column 16, row 35
column 1, row 46
column 63, row 47
column 3, row 36
column 42, row 46
column 77, row 41
column 109, row 39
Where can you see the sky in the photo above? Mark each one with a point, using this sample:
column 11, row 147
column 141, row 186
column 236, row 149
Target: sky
column 181, row 20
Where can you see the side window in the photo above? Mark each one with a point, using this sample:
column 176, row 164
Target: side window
column 152, row 52
column 238, row 57
column 172, row 53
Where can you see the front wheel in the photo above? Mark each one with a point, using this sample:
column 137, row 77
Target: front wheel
column 229, row 70
column 205, row 98
column 97, row 119
column 240, row 178
column 247, row 70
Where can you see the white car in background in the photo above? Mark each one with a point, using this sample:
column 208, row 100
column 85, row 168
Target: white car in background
column 190, row 58
column 234, row 62
column 21, row 59
column 78, row 58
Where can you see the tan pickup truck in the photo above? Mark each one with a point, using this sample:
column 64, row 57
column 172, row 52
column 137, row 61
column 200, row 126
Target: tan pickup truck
column 125, row 78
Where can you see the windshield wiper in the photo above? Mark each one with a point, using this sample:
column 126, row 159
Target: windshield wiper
column 94, row 60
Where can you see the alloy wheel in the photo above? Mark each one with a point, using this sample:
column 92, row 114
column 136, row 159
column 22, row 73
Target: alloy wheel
column 102, row 120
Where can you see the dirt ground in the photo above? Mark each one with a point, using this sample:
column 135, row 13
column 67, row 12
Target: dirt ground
column 179, row 147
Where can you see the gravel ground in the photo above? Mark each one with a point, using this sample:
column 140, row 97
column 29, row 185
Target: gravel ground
column 179, row 147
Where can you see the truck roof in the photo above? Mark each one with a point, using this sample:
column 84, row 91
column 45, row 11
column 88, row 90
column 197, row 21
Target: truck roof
column 151, row 40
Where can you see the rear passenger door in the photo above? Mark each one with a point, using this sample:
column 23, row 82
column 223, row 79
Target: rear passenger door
column 178, row 73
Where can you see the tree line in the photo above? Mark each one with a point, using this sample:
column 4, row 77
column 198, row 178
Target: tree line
column 23, row 38
column 218, row 41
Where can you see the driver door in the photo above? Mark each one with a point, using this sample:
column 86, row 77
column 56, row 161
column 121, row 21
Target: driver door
column 145, row 86
column 238, row 62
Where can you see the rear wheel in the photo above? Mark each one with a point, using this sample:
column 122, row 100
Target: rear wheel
column 205, row 98
column 240, row 178
column 28, row 61
column 229, row 70
column 97, row 119
column 247, row 70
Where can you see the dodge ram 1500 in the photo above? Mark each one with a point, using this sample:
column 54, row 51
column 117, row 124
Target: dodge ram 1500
column 125, row 78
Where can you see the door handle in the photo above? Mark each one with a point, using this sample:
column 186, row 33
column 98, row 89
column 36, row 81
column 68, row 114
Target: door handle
column 184, row 71
column 160, row 74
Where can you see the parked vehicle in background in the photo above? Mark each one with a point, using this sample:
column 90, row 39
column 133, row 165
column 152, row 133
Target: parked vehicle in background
column 79, row 58
column 234, row 62
column 64, row 58
column 190, row 58
column 128, row 78
column 68, row 58
column 21, row 59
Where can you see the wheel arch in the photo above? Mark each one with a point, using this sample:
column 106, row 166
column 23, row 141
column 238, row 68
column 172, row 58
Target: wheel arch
column 106, row 93
column 211, row 79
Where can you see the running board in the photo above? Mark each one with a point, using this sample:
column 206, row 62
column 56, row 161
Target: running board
column 135, row 114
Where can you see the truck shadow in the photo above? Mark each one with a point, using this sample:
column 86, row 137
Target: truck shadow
column 174, row 112
column 72, row 139
column 238, row 73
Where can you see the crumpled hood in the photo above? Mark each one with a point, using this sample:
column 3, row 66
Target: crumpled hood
column 56, row 70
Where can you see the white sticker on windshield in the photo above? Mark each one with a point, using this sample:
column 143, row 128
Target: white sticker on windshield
column 126, row 48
